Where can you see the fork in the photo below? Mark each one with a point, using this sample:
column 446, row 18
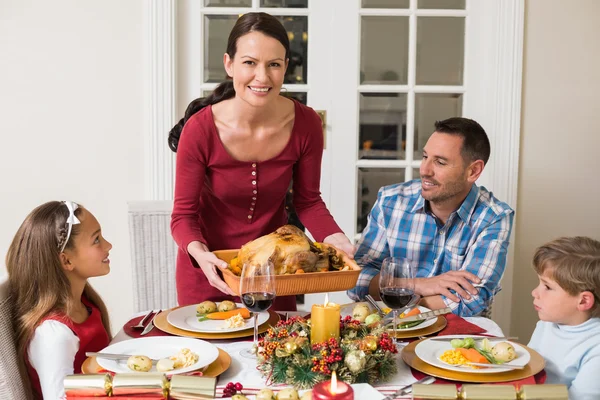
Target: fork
column 141, row 325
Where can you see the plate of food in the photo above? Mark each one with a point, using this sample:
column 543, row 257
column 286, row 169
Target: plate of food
column 364, row 313
column 211, row 317
column 459, row 352
column 171, row 355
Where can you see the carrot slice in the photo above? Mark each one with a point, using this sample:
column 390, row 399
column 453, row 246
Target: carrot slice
column 473, row 355
column 412, row 312
column 228, row 314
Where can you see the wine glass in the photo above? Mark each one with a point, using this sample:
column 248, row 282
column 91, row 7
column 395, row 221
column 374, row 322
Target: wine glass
column 397, row 285
column 257, row 290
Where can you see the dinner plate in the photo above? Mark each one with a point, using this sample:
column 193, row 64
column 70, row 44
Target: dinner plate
column 185, row 318
column 158, row 347
column 348, row 308
column 430, row 351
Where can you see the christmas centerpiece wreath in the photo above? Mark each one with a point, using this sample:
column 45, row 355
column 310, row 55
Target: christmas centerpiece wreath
column 364, row 353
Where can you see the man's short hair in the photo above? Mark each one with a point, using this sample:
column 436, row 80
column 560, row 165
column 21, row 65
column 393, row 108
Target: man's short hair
column 574, row 263
column 476, row 145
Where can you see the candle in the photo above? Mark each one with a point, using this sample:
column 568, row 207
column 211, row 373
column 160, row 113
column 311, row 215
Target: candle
column 325, row 321
column 333, row 390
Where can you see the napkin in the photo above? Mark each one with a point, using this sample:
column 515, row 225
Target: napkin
column 458, row 326
column 136, row 333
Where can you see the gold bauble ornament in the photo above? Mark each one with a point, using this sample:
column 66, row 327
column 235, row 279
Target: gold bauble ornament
column 370, row 343
column 291, row 347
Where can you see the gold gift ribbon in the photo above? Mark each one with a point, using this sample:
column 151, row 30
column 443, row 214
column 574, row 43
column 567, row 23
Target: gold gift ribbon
column 132, row 384
column 88, row 385
column 192, row 387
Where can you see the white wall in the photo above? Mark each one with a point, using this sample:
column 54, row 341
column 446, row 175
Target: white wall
column 558, row 172
column 71, row 120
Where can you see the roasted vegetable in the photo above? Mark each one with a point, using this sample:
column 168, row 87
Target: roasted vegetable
column 225, row 314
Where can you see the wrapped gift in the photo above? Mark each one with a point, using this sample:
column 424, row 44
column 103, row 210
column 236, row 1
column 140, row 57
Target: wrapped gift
column 192, row 387
column 93, row 385
column 434, row 392
column 155, row 386
column 543, row 392
column 488, row 392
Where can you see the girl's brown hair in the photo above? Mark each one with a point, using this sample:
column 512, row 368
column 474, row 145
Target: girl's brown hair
column 574, row 263
column 37, row 282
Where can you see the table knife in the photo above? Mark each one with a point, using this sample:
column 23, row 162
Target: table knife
column 408, row 388
column 425, row 315
column 150, row 325
column 110, row 356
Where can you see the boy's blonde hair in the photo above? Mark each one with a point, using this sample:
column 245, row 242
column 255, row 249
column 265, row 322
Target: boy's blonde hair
column 574, row 263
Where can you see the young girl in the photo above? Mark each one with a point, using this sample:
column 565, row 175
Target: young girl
column 59, row 316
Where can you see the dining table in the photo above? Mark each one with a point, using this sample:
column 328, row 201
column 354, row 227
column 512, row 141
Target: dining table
column 244, row 370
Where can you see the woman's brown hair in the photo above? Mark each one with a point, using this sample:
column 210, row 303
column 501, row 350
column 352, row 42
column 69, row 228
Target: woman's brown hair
column 250, row 22
column 37, row 283
column 573, row 263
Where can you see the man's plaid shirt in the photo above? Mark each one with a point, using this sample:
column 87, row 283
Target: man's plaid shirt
column 475, row 238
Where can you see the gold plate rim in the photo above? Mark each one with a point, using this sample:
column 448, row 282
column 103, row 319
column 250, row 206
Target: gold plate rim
column 161, row 323
column 535, row 365
column 214, row 369
column 440, row 324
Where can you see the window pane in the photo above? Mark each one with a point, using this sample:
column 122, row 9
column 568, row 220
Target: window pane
column 284, row 3
column 430, row 108
column 217, row 31
column 442, row 4
column 217, row 28
column 300, row 96
column 228, row 3
column 440, row 50
column 370, row 180
column 383, row 60
column 297, row 28
column 385, row 3
column 382, row 126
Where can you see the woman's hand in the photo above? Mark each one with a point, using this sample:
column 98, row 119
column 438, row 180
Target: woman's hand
column 340, row 241
column 209, row 263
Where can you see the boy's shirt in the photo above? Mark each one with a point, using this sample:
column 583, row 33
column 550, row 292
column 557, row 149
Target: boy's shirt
column 572, row 355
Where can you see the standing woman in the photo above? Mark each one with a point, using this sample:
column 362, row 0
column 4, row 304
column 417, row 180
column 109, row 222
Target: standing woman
column 237, row 151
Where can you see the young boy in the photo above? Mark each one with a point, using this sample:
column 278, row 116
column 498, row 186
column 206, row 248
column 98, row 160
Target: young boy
column 567, row 300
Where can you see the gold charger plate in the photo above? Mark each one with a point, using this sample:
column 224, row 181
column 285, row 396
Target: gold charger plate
column 535, row 365
column 160, row 321
column 438, row 326
column 216, row 368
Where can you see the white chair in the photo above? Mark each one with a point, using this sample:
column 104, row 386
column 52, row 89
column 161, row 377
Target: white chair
column 153, row 255
column 13, row 383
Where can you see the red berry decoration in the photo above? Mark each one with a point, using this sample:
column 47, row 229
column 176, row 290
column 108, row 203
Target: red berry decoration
column 238, row 387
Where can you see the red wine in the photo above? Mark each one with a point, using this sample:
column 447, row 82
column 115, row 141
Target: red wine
column 396, row 298
column 258, row 301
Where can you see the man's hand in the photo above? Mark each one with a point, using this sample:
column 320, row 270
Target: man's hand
column 341, row 242
column 459, row 281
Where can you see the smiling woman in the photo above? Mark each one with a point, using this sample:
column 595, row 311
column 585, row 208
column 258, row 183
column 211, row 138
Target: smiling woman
column 240, row 148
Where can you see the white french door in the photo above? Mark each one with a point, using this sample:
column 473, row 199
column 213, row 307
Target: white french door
column 383, row 70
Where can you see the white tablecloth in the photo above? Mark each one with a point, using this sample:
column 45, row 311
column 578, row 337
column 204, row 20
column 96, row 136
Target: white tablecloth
column 244, row 370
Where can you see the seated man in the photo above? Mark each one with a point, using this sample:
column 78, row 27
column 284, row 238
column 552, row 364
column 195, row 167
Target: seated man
column 455, row 231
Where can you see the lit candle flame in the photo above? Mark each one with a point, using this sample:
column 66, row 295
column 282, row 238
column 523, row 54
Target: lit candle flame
column 326, row 300
column 333, row 386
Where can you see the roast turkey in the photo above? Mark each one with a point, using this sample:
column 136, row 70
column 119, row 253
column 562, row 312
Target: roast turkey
column 288, row 248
